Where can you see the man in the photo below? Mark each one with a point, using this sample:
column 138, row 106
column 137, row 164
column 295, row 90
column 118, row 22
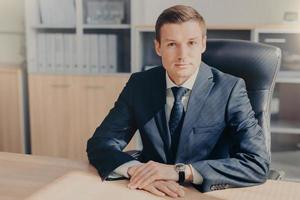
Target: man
column 196, row 123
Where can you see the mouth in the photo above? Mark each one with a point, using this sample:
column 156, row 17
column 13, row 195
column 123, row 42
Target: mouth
column 181, row 65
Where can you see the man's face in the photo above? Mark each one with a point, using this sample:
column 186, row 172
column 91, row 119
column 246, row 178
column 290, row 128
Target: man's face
column 180, row 48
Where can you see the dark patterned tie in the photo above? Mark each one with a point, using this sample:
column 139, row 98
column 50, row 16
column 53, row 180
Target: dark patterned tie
column 176, row 117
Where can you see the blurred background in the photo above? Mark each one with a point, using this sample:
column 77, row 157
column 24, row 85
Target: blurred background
column 64, row 62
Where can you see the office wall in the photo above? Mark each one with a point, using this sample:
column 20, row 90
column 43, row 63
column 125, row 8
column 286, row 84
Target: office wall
column 12, row 36
column 223, row 11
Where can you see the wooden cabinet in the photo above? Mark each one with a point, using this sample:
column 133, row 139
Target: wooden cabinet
column 11, row 110
column 65, row 111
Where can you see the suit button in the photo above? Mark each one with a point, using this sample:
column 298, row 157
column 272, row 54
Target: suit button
column 213, row 187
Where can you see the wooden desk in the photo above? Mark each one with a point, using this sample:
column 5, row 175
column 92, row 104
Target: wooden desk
column 43, row 178
column 22, row 175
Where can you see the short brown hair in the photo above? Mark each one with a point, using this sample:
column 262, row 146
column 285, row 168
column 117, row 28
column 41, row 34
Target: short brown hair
column 177, row 15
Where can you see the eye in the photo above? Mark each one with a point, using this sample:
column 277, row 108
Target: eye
column 171, row 44
column 193, row 43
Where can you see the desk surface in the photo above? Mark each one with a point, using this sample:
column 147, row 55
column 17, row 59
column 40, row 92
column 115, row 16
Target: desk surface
column 43, row 178
column 22, row 175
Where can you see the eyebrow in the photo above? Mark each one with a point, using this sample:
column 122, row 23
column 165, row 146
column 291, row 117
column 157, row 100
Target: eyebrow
column 171, row 40
column 193, row 38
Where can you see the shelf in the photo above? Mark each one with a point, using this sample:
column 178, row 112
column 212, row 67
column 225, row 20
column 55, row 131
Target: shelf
column 288, row 77
column 45, row 26
column 107, row 26
column 285, row 127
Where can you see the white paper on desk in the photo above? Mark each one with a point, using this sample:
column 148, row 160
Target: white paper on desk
column 83, row 185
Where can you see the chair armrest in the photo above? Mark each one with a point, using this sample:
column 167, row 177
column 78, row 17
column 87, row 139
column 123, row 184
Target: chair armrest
column 134, row 153
column 276, row 174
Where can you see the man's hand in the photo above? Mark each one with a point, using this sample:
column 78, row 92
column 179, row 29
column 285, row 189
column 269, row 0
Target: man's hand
column 145, row 174
column 163, row 188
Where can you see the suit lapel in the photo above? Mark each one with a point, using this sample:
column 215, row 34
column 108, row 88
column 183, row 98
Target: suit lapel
column 201, row 89
column 158, row 94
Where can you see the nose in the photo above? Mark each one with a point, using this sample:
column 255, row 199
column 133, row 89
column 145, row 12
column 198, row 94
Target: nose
column 182, row 52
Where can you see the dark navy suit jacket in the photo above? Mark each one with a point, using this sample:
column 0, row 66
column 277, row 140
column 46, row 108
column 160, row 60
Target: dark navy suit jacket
column 220, row 136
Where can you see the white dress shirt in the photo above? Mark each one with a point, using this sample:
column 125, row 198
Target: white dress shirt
column 197, row 178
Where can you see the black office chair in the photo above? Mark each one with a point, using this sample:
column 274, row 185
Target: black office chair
column 258, row 65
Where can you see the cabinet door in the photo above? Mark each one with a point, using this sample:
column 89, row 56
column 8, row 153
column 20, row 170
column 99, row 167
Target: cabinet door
column 66, row 110
column 97, row 96
column 89, row 111
column 11, row 111
column 51, row 114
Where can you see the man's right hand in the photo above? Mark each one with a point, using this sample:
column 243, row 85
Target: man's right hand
column 165, row 188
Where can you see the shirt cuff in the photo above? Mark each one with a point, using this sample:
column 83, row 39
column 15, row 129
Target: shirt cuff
column 122, row 169
column 197, row 178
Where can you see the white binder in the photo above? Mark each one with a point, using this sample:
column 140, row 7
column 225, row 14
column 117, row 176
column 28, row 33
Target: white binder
column 93, row 39
column 85, row 54
column 59, row 53
column 41, row 53
column 50, row 52
column 102, row 47
column 112, row 53
column 67, row 40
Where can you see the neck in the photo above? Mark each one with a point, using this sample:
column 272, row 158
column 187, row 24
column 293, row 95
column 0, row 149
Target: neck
column 179, row 81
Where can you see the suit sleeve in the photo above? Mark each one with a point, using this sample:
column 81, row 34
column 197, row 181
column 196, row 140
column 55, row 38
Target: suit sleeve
column 248, row 163
column 105, row 147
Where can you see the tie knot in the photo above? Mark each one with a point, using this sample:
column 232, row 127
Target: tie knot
column 179, row 92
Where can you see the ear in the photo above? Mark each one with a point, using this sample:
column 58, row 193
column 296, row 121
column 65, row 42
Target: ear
column 204, row 43
column 157, row 47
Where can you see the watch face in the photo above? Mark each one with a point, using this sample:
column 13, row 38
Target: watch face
column 180, row 167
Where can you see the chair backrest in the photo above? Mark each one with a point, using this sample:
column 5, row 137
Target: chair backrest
column 257, row 64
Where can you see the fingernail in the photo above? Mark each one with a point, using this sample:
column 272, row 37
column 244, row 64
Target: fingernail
column 130, row 186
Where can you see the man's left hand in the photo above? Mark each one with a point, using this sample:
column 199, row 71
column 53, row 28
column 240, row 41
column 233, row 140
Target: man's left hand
column 145, row 174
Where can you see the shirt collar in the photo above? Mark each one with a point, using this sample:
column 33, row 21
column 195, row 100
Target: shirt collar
column 187, row 84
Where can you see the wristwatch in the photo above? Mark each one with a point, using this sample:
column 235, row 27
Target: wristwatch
column 180, row 169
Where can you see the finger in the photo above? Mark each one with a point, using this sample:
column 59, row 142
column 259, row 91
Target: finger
column 138, row 168
column 135, row 180
column 163, row 188
column 153, row 190
column 140, row 174
column 137, row 171
column 131, row 170
column 147, row 180
column 149, row 177
column 176, row 188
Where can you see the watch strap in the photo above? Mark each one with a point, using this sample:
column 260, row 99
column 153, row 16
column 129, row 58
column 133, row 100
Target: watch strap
column 181, row 179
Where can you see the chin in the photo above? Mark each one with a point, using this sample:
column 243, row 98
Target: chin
column 183, row 74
